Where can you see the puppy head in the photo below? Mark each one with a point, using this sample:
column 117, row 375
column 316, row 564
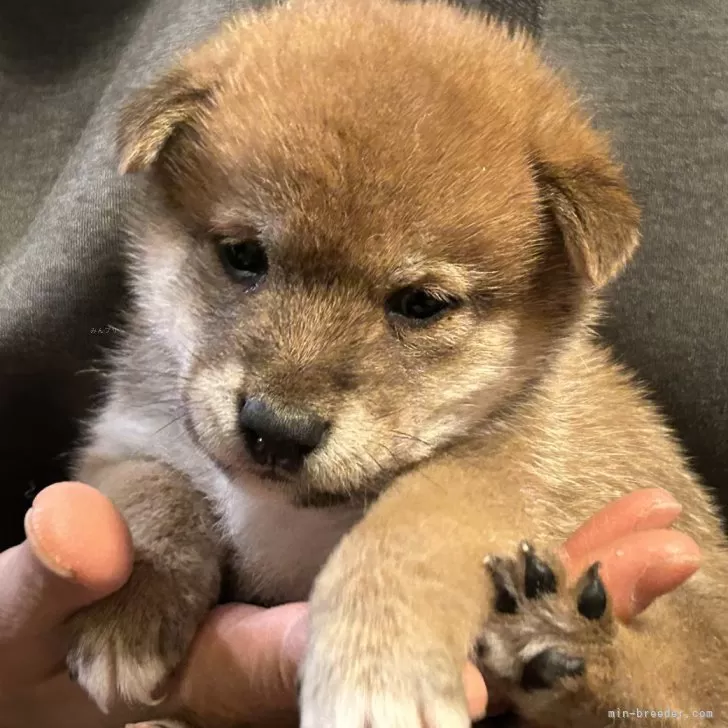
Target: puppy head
column 376, row 221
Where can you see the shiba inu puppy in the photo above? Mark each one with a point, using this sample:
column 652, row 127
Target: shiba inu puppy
column 366, row 264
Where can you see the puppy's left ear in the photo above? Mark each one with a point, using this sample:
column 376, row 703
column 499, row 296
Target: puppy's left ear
column 155, row 115
column 587, row 197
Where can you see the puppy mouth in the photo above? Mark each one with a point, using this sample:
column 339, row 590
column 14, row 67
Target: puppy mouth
column 274, row 475
column 321, row 499
column 304, row 492
column 276, row 457
column 304, row 495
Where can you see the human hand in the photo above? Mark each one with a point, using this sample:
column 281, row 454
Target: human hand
column 243, row 664
column 78, row 550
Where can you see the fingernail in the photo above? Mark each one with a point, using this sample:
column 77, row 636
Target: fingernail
column 665, row 511
column 666, row 505
column 52, row 563
column 683, row 559
column 675, row 554
column 670, row 571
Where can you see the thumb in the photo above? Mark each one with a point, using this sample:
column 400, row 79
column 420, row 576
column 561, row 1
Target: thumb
column 243, row 666
column 78, row 549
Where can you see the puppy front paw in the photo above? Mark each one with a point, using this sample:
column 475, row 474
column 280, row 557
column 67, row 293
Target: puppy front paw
column 124, row 647
column 376, row 666
column 341, row 691
column 546, row 646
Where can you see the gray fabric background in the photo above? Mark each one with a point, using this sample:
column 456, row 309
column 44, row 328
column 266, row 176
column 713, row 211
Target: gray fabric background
column 656, row 71
column 525, row 13
column 66, row 68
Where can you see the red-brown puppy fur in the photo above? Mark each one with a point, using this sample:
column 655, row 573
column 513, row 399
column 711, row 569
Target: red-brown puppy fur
column 368, row 147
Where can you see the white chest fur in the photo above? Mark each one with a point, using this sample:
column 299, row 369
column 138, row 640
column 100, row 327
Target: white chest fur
column 279, row 549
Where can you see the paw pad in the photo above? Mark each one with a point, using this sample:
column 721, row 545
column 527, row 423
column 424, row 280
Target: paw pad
column 535, row 639
column 549, row 667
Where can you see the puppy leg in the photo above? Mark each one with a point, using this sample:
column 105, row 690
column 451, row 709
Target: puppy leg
column 396, row 608
column 563, row 661
column 124, row 646
column 394, row 612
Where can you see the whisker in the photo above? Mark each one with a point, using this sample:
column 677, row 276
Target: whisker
column 436, row 484
column 414, row 438
column 170, row 423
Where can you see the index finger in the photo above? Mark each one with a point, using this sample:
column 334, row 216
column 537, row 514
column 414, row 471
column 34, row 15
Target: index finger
column 641, row 510
column 640, row 567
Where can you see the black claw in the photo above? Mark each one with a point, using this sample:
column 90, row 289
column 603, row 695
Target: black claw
column 593, row 598
column 540, row 578
column 298, row 690
column 72, row 673
column 506, row 601
column 481, row 649
column 548, row 667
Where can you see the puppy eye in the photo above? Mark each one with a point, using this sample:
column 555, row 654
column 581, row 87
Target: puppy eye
column 418, row 305
column 244, row 260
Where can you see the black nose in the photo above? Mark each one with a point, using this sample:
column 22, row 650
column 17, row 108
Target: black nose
column 279, row 437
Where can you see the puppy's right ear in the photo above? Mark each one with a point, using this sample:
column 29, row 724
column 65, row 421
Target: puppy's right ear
column 154, row 115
